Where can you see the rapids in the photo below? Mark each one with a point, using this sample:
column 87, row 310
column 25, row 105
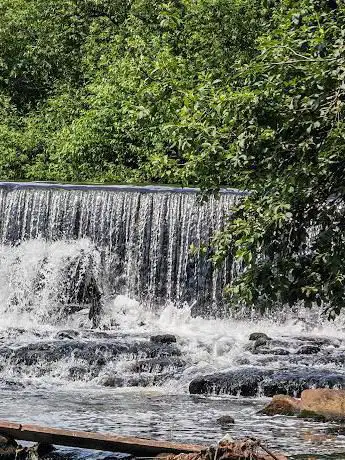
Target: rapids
column 57, row 369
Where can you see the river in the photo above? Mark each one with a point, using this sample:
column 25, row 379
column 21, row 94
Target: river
column 59, row 370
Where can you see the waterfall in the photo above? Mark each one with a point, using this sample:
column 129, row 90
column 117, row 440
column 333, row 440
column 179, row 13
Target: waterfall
column 135, row 240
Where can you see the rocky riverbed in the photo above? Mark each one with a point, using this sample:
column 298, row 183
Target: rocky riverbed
column 135, row 377
column 114, row 359
column 304, row 362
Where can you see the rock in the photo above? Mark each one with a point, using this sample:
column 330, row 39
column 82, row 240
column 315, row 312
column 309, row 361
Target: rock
column 320, row 341
column 112, row 381
column 262, row 350
column 70, row 335
column 225, row 420
column 308, row 350
column 101, row 351
column 12, row 384
column 155, row 365
column 259, row 335
column 166, row 338
column 323, row 402
column 41, row 449
column 8, row 448
column 22, row 453
column 280, row 351
column 293, row 381
column 4, row 441
column 252, row 381
column 242, row 361
column 260, row 342
column 77, row 372
column 282, row 405
column 244, row 381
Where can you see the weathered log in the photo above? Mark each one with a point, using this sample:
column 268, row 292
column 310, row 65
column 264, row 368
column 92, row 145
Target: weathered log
column 97, row 441
column 140, row 447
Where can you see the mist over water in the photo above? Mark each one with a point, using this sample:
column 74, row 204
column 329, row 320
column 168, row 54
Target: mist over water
column 57, row 369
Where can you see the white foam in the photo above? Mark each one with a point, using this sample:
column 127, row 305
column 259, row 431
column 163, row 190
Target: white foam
column 207, row 345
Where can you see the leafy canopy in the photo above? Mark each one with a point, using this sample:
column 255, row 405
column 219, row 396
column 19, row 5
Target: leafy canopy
column 106, row 91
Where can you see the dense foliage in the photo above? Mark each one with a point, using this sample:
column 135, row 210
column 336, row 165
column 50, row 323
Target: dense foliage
column 289, row 233
column 100, row 90
column 241, row 93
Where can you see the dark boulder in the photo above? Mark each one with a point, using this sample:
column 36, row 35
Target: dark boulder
column 77, row 372
column 112, row 381
column 293, row 381
column 139, row 380
column 259, row 335
column 320, row 341
column 260, row 342
column 37, row 451
column 252, row 381
column 166, row 338
column 308, row 350
column 244, row 381
column 42, row 449
column 100, row 351
column 12, row 385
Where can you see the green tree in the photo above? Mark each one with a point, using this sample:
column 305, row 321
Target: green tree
column 289, row 231
column 103, row 90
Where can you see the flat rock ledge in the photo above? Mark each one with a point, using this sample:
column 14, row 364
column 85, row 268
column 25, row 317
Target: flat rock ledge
column 322, row 404
column 253, row 381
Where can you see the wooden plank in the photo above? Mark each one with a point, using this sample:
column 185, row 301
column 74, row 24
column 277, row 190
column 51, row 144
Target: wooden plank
column 97, row 441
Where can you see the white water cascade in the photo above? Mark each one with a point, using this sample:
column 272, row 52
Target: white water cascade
column 142, row 238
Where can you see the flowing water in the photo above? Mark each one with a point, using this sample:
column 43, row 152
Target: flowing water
column 132, row 246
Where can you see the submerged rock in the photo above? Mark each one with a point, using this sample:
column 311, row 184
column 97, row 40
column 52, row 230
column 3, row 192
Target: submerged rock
column 225, row 420
column 280, row 351
column 158, row 364
column 35, row 452
column 42, row 449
